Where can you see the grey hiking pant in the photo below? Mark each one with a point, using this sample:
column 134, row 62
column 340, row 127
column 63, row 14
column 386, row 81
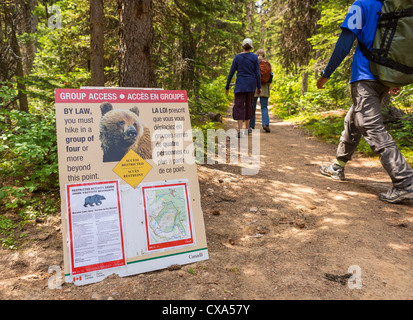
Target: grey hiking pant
column 365, row 119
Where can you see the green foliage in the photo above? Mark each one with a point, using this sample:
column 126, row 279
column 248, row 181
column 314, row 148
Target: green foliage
column 7, row 232
column 62, row 58
column 332, row 14
column 404, row 100
column 330, row 126
column 288, row 101
column 287, row 86
column 284, row 92
column 402, row 132
column 28, row 166
column 193, row 41
column 329, row 129
column 297, row 24
column 28, row 151
column 212, row 97
column 404, row 135
column 8, row 93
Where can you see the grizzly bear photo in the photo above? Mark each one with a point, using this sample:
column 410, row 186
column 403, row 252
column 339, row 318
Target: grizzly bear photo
column 121, row 131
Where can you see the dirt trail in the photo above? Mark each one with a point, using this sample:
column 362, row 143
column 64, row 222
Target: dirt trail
column 285, row 233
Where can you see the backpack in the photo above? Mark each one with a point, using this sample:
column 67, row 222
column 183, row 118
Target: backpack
column 391, row 59
column 265, row 68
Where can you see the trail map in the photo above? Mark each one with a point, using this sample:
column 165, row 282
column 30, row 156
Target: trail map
column 167, row 214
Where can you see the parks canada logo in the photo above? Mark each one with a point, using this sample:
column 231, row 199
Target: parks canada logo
column 194, row 256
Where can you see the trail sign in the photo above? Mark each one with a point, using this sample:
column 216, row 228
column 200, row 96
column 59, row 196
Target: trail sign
column 128, row 182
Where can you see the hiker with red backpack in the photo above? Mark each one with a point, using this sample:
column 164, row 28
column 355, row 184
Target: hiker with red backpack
column 377, row 69
column 266, row 79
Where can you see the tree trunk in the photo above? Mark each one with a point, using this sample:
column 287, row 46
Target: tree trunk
column 97, row 64
column 27, row 24
column 188, row 56
column 316, row 57
column 21, row 87
column 250, row 15
column 263, row 17
column 304, row 84
column 136, row 33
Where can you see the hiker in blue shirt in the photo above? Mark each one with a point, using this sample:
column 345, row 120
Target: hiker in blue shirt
column 248, row 81
column 364, row 117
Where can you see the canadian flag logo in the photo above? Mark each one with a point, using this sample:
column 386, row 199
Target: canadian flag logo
column 79, row 278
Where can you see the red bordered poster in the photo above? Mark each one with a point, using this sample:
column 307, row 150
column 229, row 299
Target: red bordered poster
column 168, row 216
column 95, row 226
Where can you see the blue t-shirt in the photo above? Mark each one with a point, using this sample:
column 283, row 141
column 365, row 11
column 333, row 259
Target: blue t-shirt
column 362, row 20
column 248, row 73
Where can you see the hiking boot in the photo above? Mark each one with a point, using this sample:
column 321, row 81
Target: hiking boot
column 266, row 128
column 334, row 171
column 396, row 195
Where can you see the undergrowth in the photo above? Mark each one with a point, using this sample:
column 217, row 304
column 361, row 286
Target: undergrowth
column 330, row 127
column 28, row 170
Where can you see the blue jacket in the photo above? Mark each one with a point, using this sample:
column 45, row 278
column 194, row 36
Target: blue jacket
column 361, row 23
column 248, row 73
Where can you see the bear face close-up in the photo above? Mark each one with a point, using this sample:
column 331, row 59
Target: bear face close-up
column 121, row 131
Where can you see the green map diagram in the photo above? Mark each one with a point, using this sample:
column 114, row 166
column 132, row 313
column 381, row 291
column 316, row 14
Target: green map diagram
column 168, row 218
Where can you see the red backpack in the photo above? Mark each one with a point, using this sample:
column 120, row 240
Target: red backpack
column 265, row 68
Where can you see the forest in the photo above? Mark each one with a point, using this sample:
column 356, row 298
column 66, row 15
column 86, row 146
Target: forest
column 170, row 44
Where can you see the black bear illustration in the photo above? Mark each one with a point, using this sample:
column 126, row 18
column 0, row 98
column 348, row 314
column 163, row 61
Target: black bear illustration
column 94, row 200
